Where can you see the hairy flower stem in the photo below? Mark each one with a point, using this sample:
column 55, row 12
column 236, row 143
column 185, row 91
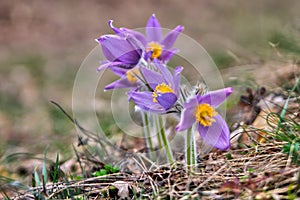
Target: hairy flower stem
column 147, row 134
column 158, row 128
column 165, row 141
column 190, row 153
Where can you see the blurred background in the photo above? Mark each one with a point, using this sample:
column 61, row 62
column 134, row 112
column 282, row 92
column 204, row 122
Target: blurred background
column 42, row 44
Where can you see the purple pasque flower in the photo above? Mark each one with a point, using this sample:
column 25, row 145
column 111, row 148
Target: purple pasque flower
column 211, row 126
column 163, row 86
column 155, row 46
column 121, row 51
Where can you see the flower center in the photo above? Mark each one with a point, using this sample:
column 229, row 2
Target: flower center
column 155, row 48
column 131, row 75
column 204, row 114
column 161, row 88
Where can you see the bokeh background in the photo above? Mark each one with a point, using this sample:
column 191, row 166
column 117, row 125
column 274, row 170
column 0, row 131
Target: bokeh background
column 42, row 44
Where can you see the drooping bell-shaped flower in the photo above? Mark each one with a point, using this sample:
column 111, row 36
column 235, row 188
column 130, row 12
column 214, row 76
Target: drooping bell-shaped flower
column 121, row 51
column 211, row 126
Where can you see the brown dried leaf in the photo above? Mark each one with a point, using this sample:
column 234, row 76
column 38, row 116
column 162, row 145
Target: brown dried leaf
column 231, row 186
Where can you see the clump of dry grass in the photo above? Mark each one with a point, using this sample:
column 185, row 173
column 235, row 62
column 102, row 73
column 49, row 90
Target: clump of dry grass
column 259, row 172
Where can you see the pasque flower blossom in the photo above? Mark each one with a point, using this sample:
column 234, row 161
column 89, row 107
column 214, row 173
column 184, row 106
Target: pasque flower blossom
column 121, row 51
column 123, row 54
column 211, row 126
column 154, row 45
column 163, row 89
column 157, row 46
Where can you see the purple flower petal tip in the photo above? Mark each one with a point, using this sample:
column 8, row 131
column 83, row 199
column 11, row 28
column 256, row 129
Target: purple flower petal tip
column 179, row 28
column 110, row 23
column 98, row 40
column 153, row 17
column 102, row 38
column 178, row 69
column 229, row 90
column 215, row 98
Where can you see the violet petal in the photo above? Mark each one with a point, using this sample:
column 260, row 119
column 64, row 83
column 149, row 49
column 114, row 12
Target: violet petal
column 216, row 135
column 152, row 78
column 187, row 119
column 166, row 74
column 119, row 71
column 153, row 30
column 177, row 72
column 171, row 37
column 116, row 30
column 111, row 65
column 215, row 98
column 139, row 36
column 168, row 54
column 121, row 83
column 166, row 100
column 144, row 100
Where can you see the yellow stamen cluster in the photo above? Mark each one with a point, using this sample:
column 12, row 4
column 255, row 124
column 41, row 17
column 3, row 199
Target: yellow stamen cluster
column 204, row 114
column 155, row 48
column 161, row 88
column 131, row 75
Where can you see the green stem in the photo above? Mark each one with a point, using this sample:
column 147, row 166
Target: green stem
column 165, row 140
column 194, row 152
column 190, row 154
column 158, row 128
column 147, row 133
column 283, row 112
